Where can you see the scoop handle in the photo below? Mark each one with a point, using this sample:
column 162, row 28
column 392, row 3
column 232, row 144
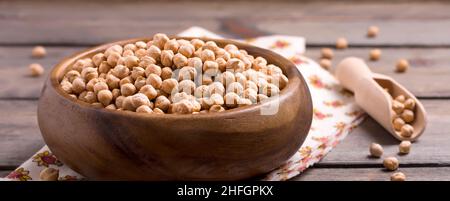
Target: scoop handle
column 350, row 71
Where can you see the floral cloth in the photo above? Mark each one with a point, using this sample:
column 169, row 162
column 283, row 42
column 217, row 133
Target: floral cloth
column 335, row 114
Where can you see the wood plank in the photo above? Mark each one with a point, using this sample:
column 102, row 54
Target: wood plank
column 427, row 77
column 373, row 174
column 432, row 148
column 19, row 133
column 91, row 22
column 20, row 138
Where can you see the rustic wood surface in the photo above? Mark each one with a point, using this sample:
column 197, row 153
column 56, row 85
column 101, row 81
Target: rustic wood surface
column 413, row 30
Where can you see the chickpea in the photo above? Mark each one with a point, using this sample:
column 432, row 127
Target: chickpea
column 244, row 102
column 131, row 61
column 158, row 111
column 127, row 89
column 410, row 104
column 180, row 60
column 341, row 43
column 187, row 50
column 408, row 116
column 113, row 58
column 104, row 67
column 222, row 64
column 141, row 44
column 231, row 99
column 89, row 73
column 207, row 55
column 78, row 85
column 167, row 57
column 404, row 147
column 115, row 93
column 105, row 97
column 280, row 80
column 38, row 52
column 72, row 74
column 210, row 68
column 202, row 91
column 235, row 65
column 197, row 43
column 398, row 124
column 223, row 55
column 325, row 63
column 187, row 86
column 230, row 48
column 159, row 40
column 261, row 98
column 216, row 108
column 402, row 65
column 251, row 95
column 139, row 99
column 113, row 49
column 376, row 150
column 375, row 54
column 327, row 53
column 66, row 86
column 49, row 174
column 270, row 90
column 146, row 61
column 140, row 82
column 36, row 70
column 130, row 46
column 397, row 106
column 137, row 72
column 98, row 59
column 251, row 85
column 182, row 107
column 195, row 62
column 162, row 103
column 187, row 73
column 153, row 69
column 119, row 101
column 166, row 73
column 100, row 86
column 398, row 176
column 390, row 163
column 144, row 109
column 235, row 87
column 406, row 131
column 112, row 81
column 90, row 97
column 154, row 52
column 400, row 98
column 111, row 107
column 127, row 104
column 120, row 71
column 210, row 45
column 216, row 88
column 172, row 45
column 169, row 85
column 372, row 31
column 216, row 99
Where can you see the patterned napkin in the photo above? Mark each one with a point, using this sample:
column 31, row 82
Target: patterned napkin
column 335, row 114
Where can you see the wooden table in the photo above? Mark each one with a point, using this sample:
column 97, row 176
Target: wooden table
column 416, row 31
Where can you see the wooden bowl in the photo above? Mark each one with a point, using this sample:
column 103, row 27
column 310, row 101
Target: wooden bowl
column 235, row 144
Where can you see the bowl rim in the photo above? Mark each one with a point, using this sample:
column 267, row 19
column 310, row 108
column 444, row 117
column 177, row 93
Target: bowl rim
column 290, row 70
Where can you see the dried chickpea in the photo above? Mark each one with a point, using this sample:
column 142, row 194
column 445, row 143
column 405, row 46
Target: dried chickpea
column 398, row 176
column 187, row 73
column 216, row 88
column 104, row 67
column 216, row 108
column 113, row 58
column 195, row 62
column 262, row 98
column 137, row 72
column 182, row 107
column 146, row 61
column 158, row 111
column 327, row 53
column 259, row 63
column 90, row 97
column 169, row 86
column 119, row 101
column 235, row 87
column 251, row 85
column 167, row 57
column 105, row 97
column 36, row 70
column 140, row 82
column 400, row 98
column 66, row 86
column 376, row 150
column 202, row 91
column 131, row 61
column 120, row 71
column 375, row 54
column 406, row 131
column 231, row 99
column 187, row 86
column 235, row 65
column 127, row 104
column 372, row 31
column 153, row 69
column 404, row 147
column 166, row 73
column 325, row 63
column 72, row 74
column 230, row 48
column 341, row 43
column 390, row 163
column 408, row 116
column 216, row 99
column 139, row 99
column 144, row 109
column 410, row 104
column 180, row 60
column 115, row 93
column 113, row 49
column 49, row 174
column 187, row 50
column 172, row 45
column 78, row 85
column 159, row 40
column 244, row 102
column 162, row 103
column 38, row 52
column 100, row 86
column 210, row 45
column 222, row 63
column 112, row 81
column 270, row 90
column 210, row 68
column 402, row 65
column 197, row 43
column 207, row 55
column 154, row 52
column 127, row 89
column 149, row 91
column 89, row 73
column 397, row 106
column 91, row 83
column 130, row 46
column 280, row 80
column 111, row 107
column 98, row 59
column 398, row 124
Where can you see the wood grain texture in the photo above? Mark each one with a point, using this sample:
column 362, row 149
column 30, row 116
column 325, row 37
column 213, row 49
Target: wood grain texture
column 427, row 77
column 373, row 174
column 91, row 22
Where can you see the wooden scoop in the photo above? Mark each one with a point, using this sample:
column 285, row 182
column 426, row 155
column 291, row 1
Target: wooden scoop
column 369, row 92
